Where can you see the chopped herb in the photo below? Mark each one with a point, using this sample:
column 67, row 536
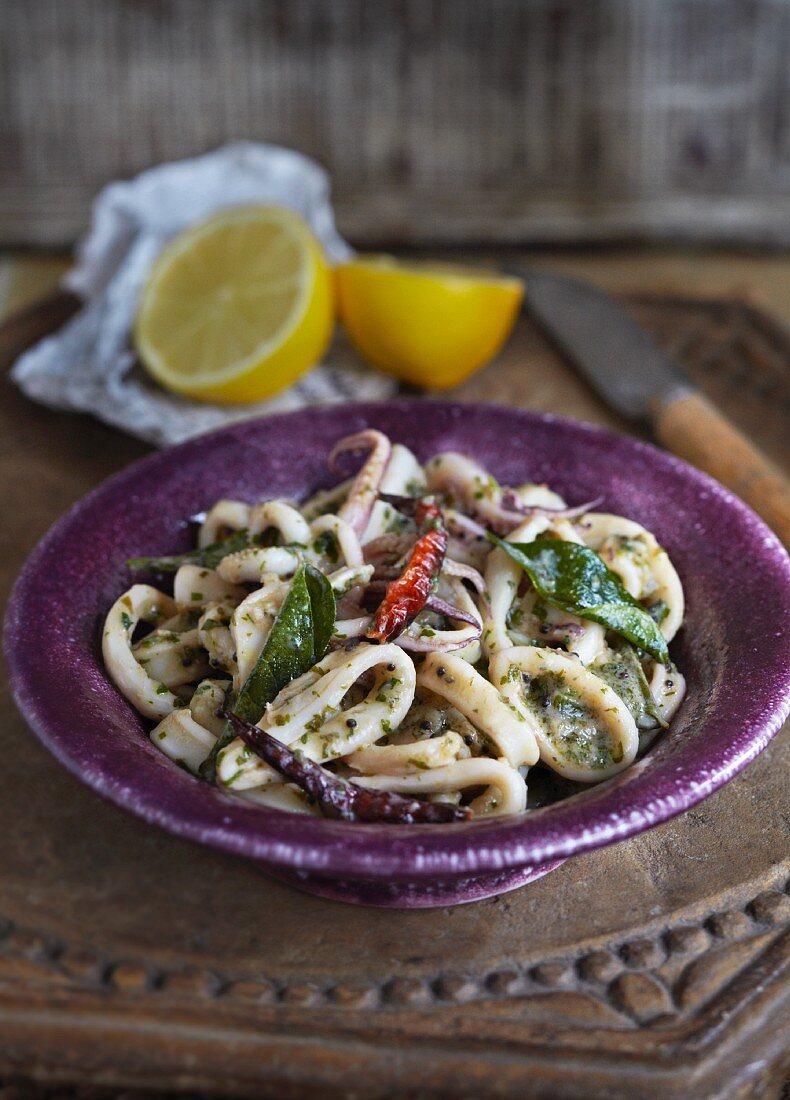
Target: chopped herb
column 568, row 725
column 387, row 685
column 325, row 545
column 315, row 723
column 395, row 523
column 657, row 611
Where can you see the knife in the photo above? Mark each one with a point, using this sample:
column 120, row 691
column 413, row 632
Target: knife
column 635, row 377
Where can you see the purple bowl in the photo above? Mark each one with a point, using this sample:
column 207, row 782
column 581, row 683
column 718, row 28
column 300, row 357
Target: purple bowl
column 733, row 648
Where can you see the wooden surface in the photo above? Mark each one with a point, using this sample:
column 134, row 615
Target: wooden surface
column 132, row 960
column 691, row 427
column 443, row 120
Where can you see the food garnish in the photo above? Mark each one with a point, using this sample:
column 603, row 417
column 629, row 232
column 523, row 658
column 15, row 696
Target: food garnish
column 406, row 597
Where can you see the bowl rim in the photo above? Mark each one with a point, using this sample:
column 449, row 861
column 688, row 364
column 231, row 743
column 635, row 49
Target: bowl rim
column 601, row 816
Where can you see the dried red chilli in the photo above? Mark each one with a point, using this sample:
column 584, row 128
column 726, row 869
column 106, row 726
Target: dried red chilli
column 338, row 797
column 375, row 589
column 406, row 595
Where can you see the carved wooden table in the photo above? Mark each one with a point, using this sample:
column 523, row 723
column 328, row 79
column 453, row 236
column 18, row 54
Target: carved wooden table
column 130, row 960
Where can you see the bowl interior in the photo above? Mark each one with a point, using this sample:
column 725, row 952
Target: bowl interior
column 733, row 647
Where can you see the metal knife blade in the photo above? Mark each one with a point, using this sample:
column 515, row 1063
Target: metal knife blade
column 618, row 359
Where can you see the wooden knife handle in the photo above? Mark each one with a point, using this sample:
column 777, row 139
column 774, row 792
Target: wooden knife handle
column 692, row 428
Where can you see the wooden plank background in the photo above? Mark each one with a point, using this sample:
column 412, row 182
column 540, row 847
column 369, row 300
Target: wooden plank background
column 450, row 121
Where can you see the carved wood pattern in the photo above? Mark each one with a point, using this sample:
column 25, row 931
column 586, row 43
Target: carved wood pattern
column 689, row 984
column 647, row 980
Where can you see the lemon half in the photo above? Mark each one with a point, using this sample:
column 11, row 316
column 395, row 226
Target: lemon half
column 237, row 307
column 428, row 324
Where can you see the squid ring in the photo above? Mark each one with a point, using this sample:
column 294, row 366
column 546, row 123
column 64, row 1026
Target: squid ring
column 583, row 728
column 141, row 602
column 506, row 791
column 506, row 724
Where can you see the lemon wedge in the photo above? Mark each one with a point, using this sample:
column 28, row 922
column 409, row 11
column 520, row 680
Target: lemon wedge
column 429, row 325
column 237, row 307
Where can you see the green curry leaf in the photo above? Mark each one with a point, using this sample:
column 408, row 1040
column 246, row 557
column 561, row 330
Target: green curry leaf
column 322, row 605
column 298, row 639
column 623, row 672
column 575, row 579
column 207, row 557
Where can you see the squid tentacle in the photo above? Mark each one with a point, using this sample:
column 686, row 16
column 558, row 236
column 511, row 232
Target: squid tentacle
column 363, row 494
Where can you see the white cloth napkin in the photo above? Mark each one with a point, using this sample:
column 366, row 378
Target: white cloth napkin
column 89, row 364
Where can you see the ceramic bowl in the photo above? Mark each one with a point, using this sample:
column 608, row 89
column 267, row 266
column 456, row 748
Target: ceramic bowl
column 733, row 648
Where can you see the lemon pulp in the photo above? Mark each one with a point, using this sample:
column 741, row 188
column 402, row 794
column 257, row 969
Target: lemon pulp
column 238, row 307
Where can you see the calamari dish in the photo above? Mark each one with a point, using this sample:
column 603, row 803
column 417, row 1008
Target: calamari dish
column 417, row 644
